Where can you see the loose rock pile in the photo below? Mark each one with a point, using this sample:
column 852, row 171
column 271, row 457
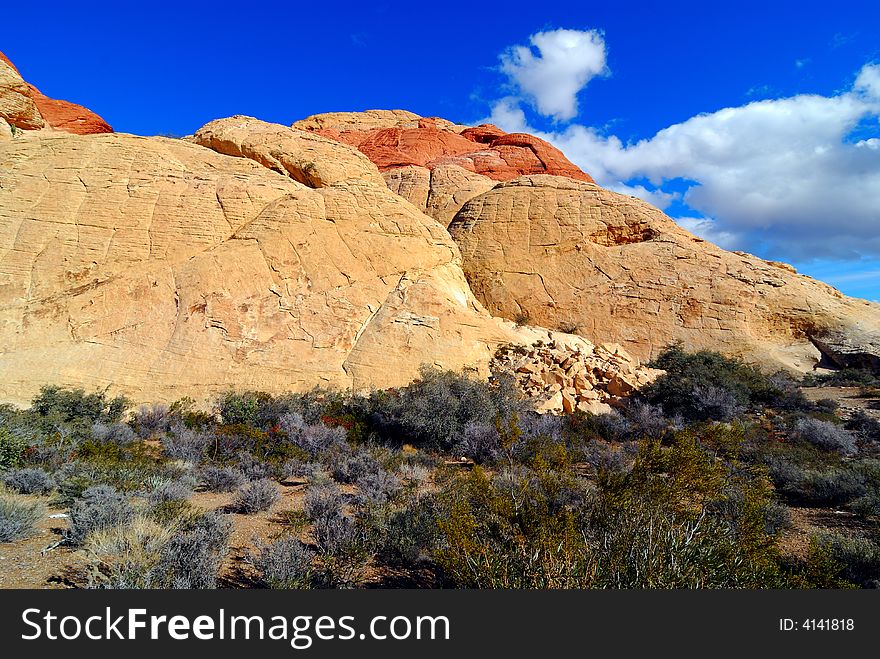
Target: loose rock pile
column 574, row 375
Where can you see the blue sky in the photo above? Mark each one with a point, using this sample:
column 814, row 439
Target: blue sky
column 756, row 123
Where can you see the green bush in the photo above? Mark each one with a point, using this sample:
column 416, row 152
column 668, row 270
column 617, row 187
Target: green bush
column 75, row 404
column 12, row 449
column 706, row 385
column 691, row 515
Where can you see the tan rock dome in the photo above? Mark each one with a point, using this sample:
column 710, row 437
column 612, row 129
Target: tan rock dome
column 569, row 254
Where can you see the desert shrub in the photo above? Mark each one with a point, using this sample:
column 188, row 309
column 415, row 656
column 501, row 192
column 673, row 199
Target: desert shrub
column 825, row 435
column 707, row 385
column 255, row 469
column 249, row 408
column 378, row 487
column 860, row 558
column 189, row 444
column 342, row 544
column 100, row 507
column 183, row 551
column 12, row 449
column 414, row 475
column 864, row 424
column 715, row 402
column 612, row 427
column 18, row 517
column 295, row 468
column 193, row 556
column 411, row 534
column 221, row 479
column 256, row 496
column 28, row 481
column 532, row 424
column 171, row 490
column 827, row 405
column 867, row 505
column 777, row 518
column 323, row 506
column 151, row 420
column 184, row 412
column 114, row 433
column 285, row 563
column 690, row 515
column 75, row 404
column 72, row 479
column 314, row 439
column 644, row 420
column 433, row 411
column 480, row 442
column 349, row 467
column 821, row 487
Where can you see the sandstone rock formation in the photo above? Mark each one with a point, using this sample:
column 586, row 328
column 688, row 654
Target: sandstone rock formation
column 17, row 107
column 5, row 130
column 308, row 158
column 439, row 192
column 339, row 122
column 574, row 375
column 162, row 268
column 68, row 117
column 393, row 139
column 23, row 106
column 568, row 254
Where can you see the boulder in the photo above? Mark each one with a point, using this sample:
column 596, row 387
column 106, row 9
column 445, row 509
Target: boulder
column 305, row 157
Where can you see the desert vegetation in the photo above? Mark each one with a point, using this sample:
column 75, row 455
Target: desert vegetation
column 701, row 480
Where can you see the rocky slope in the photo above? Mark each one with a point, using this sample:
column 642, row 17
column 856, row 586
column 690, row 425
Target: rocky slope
column 569, row 254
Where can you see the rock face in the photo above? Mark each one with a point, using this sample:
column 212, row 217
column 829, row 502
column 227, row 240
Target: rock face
column 393, row 139
column 163, row 269
column 23, row 106
column 439, row 192
column 571, row 255
column 17, row 107
column 571, row 375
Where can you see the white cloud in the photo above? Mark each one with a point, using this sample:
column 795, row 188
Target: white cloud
column 565, row 62
column 656, row 198
column 707, row 229
column 782, row 173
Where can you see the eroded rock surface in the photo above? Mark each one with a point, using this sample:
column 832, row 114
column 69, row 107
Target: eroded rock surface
column 568, row 254
column 396, row 138
column 306, row 157
column 161, row 269
column 17, row 108
column 439, row 192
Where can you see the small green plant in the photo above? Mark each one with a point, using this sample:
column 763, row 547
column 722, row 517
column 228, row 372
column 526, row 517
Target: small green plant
column 12, row 449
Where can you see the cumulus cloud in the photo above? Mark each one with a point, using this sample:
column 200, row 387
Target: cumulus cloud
column 789, row 175
column 566, row 60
